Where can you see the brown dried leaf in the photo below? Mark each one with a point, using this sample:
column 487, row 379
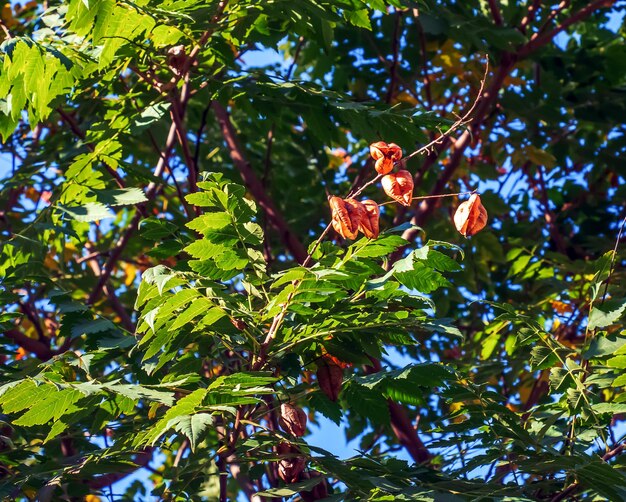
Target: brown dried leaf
column 399, row 187
column 292, row 420
column 471, row 216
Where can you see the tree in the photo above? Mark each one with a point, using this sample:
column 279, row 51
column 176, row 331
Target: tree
column 173, row 286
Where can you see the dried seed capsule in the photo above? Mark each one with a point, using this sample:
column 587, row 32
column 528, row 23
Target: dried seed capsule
column 369, row 224
column 385, row 155
column 346, row 216
column 330, row 378
column 399, row 187
column 318, row 492
column 290, row 468
column 471, row 216
column 292, row 420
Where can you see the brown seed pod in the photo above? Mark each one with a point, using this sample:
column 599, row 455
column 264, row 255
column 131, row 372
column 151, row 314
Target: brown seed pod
column 176, row 58
column 399, row 187
column 385, row 155
column 290, row 468
column 292, row 420
column 330, row 378
column 346, row 216
column 471, row 216
column 318, row 492
column 369, row 224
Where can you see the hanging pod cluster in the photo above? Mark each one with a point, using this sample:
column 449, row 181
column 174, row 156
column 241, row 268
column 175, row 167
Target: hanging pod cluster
column 292, row 464
column 350, row 216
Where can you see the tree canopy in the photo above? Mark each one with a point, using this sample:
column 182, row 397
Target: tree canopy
column 221, row 221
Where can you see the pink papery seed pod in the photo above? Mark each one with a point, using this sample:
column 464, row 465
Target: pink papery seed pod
column 370, row 224
column 330, row 378
column 385, row 156
column 471, row 216
column 399, row 186
column 292, row 420
column 346, row 216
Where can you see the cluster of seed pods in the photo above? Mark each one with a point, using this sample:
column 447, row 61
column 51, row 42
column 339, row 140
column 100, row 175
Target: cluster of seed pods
column 350, row 216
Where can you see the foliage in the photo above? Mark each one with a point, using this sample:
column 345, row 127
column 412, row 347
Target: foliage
column 167, row 280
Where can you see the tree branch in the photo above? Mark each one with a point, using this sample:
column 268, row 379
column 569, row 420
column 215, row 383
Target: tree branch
column 495, row 12
column 395, row 49
column 530, row 15
column 291, row 241
column 401, row 424
column 538, row 40
column 134, row 224
column 31, row 345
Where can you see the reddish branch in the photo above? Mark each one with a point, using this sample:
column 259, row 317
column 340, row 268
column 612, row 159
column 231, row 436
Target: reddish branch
column 395, row 49
column 538, row 41
column 41, row 350
column 569, row 490
column 69, row 120
column 254, row 184
column 495, row 12
column 530, row 15
column 401, row 424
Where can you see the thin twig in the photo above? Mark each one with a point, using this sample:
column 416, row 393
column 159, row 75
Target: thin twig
column 460, row 122
column 612, row 267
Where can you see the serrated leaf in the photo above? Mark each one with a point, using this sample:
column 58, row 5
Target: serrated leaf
column 50, row 408
column 91, row 211
column 192, row 426
column 121, row 196
column 197, row 307
column 542, row 357
column 604, row 315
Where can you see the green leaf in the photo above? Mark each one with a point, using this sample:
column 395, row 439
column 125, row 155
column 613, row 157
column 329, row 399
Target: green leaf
column 197, row 307
column 292, row 489
column 121, row 196
column 607, row 345
column 604, row 315
column 91, row 211
column 542, row 357
column 52, row 407
column 192, row 426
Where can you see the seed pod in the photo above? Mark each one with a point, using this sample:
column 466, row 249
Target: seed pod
column 330, row 378
column 399, row 187
column 369, row 224
column 289, row 468
column 346, row 216
column 385, row 155
column 292, row 420
column 176, row 58
column 471, row 216
column 318, row 492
